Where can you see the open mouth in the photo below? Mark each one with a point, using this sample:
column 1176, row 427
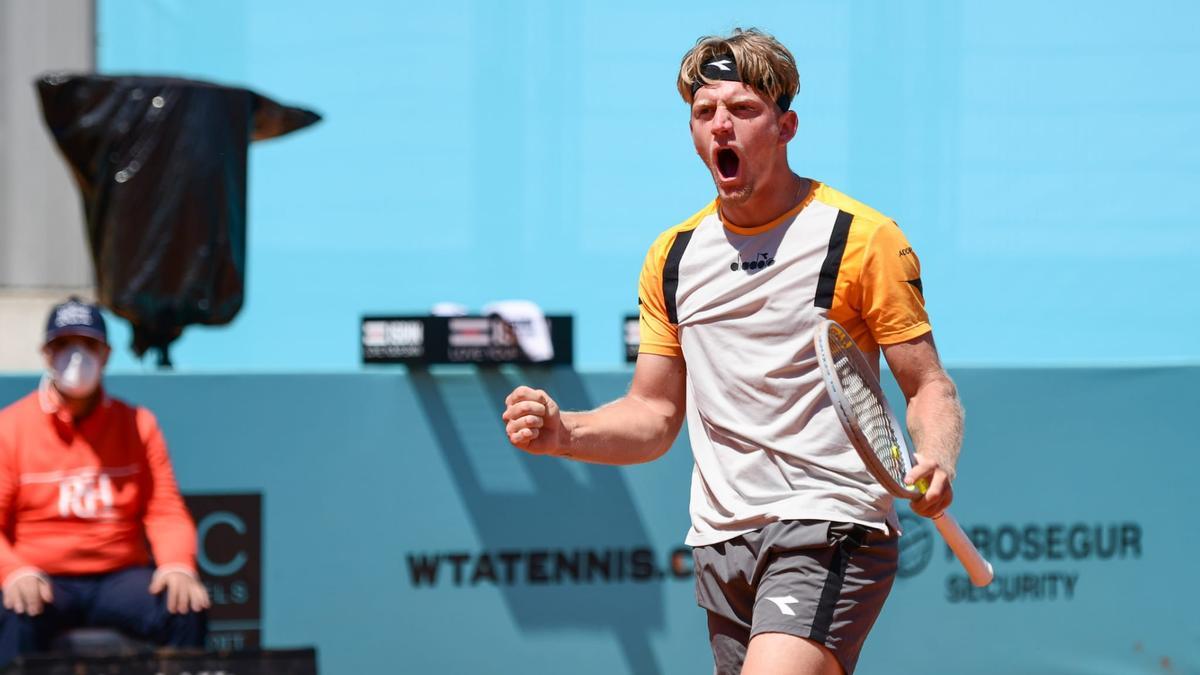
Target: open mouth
column 728, row 163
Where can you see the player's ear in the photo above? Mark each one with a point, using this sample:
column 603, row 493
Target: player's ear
column 789, row 123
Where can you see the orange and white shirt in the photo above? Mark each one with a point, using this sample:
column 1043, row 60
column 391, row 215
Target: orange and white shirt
column 83, row 497
column 740, row 306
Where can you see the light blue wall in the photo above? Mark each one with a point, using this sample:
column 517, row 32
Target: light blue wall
column 360, row 471
column 1042, row 157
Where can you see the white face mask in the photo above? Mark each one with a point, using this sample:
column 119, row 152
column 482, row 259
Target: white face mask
column 76, row 371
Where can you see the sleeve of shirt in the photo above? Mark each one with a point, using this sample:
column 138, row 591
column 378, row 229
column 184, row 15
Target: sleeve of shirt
column 893, row 301
column 9, row 562
column 658, row 334
column 169, row 526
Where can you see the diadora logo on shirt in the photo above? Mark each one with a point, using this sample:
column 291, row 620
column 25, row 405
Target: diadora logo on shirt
column 762, row 260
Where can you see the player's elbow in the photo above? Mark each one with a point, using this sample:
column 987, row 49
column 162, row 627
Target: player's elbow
column 662, row 421
column 950, row 393
column 666, row 438
column 939, row 388
column 936, row 398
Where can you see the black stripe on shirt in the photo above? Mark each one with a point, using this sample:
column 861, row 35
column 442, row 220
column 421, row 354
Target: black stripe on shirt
column 827, row 281
column 671, row 274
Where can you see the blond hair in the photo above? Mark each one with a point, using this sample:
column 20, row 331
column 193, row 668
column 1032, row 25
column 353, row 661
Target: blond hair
column 763, row 63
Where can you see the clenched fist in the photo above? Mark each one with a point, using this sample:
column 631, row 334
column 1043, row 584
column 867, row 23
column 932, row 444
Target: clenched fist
column 533, row 421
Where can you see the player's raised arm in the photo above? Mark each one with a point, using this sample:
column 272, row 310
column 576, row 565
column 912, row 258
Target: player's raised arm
column 638, row 427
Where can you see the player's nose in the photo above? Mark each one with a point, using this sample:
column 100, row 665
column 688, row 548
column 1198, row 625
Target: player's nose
column 722, row 121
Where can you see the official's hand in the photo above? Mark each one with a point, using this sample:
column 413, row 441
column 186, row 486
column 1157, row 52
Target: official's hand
column 184, row 591
column 939, row 495
column 533, row 421
column 28, row 593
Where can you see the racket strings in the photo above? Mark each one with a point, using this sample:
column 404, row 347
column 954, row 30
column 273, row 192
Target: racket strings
column 872, row 417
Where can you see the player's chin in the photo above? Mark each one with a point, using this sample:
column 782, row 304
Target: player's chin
column 734, row 192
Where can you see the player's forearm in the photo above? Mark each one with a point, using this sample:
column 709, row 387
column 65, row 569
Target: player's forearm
column 627, row 431
column 935, row 420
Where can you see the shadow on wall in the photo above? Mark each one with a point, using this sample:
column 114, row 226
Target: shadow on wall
column 584, row 550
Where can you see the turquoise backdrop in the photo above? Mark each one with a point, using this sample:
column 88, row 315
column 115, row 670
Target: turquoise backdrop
column 369, row 480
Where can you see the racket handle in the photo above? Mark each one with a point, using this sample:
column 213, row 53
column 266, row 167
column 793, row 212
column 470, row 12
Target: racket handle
column 979, row 571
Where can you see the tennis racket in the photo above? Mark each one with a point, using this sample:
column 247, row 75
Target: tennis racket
column 873, row 430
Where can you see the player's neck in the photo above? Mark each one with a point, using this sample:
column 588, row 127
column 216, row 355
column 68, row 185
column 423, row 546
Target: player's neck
column 769, row 201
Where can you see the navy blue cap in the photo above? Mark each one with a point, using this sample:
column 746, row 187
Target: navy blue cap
column 76, row 317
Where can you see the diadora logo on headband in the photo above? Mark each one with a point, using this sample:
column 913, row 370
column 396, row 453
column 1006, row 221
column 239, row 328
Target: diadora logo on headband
column 724, row 68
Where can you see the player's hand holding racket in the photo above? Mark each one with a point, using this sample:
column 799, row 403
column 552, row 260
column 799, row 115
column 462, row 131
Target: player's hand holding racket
column 873, row 430
column 533, row 421
column 939, row 493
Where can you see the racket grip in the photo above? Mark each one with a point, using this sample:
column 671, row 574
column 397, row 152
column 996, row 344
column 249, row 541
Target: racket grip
column 979, row 571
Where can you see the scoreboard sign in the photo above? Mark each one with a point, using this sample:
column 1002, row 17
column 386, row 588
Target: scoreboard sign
column 458, row 339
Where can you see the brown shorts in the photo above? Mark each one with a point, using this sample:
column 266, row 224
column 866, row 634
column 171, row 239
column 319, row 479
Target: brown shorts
column 814, row 579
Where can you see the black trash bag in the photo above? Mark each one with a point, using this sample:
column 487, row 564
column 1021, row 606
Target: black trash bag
column 161, row 164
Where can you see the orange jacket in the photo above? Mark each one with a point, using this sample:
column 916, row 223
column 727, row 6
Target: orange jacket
column 84, row 497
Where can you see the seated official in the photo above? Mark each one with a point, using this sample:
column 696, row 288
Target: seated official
column 85, row 482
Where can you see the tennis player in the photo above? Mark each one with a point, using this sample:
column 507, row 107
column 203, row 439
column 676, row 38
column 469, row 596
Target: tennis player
column 794, row 542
